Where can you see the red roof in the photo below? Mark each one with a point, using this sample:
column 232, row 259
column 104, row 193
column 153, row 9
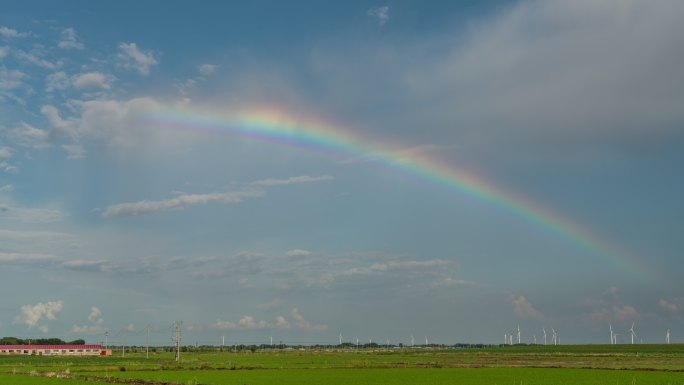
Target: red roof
column 35, row 347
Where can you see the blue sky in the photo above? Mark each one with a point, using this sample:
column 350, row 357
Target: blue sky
column 110, row 222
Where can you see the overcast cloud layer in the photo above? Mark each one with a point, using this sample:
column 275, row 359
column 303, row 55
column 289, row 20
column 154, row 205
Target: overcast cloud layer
column 117, row 223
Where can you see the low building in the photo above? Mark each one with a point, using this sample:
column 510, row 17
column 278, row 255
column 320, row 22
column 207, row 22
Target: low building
column 54, row 350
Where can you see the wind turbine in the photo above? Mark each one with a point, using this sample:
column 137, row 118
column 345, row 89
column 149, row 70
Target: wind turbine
column 412, row 341
column 544, row 330
column 519, row 335
column 340, row 338
column 553, row 332
column 611, row 333
column 632, row 333
column 667, row 337
column 535, row 338
column 426, row 341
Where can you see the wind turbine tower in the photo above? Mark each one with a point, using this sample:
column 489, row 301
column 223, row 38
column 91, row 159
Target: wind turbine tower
column 544, row 331
column 667, row 337
column 519, row 341
column 553, row 336
column 632, row 333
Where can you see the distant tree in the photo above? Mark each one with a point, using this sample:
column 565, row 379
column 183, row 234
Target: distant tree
column 10, row 341
column 47, row 341
column 37, row 341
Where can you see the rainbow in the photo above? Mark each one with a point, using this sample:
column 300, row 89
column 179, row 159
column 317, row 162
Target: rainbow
column 276, row 125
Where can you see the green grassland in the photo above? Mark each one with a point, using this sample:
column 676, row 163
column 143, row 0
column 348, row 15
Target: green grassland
column 514, row 365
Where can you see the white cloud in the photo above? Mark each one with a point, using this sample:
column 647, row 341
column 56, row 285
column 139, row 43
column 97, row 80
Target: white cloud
column 11, row 33
column 60, row 127
column 181, row 263
column 381, row 13
column 302, row 323
column 133, row 58
column 276, row 303
column 248, row 322
column 30, row 215
column 292, row 180
column 85, row 265
column 42, row 242
column 536, row 74
column 669, row 306
column 74, row 151
column 31, row 315
column 296, row 253
column 625, row 313
column 177, row 203
column 419, row 267
column 282, row 323
column 26, row 258
column 611, row 291
column 451, row 282
column 5, row 153
column 91, row 80
column 3, row 52
column 8, row 168
column 8, row 188
column 116, row 122
column 208, row 69
column 223, row 325
column 28, row 136
column 69, row 40
column 35, row 58
column 87, row 329
column 57, row 81
column 95, row 326
column 523, row 308
column 11, row 79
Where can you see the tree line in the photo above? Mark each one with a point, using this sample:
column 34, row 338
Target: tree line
column 38, row 341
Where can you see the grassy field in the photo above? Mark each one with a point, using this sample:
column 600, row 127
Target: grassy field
column 531, row 365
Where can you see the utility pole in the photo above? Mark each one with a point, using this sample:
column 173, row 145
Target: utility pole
column 178, row 339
